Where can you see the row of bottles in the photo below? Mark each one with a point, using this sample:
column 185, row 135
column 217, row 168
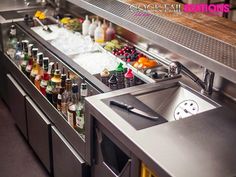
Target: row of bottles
column 100, row 32
column 119, row 79
column 54, row 83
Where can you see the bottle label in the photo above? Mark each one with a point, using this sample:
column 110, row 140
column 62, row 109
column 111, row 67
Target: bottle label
column 13, row 32
column 28, row 68
column 63, row 108
column 70, row 117
column 11, row 52
column 80, row 119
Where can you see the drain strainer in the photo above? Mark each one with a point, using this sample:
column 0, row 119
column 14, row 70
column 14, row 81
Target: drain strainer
column 185, row 109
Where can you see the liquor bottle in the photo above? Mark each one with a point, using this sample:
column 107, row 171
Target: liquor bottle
column 12, row 41
column 19, row 52
column 30, row 63
column 34, row 70
column 25, row 60
column 66, row 95
column 73, row 106
column 46, row 77
column 59, row 98
column 57, row 76
column 39, row 75
column 80, row 126
column 49, row 91
column 51, row 69
column 63, row 78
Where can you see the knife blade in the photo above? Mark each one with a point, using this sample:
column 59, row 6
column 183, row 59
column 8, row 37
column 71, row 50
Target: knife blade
column 133, row 110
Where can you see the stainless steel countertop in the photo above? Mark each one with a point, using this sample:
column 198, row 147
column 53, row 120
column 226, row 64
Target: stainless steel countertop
column 7, row 5
column 203, row 145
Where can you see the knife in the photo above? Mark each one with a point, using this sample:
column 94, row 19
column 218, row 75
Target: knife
column 134, row 110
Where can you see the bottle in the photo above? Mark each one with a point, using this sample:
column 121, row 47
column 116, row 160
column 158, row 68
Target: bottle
column 104, row 27
column 59, row 98
column 51, row 69
column 30, row 63
column 73, row 106
column 120, row 76
column 85, row 26
column 19, row 53
column 63, row 78
column 110, row 33
column 12, row 42
column 25, row 60
column 105, row 75
column 46, row 77
column 57, row 76
column 80, row 126
column 99, row 34
column 34, row 70
column 39, row 75
column 129, row 78
column 97, row 21
column 113, row 82
column 49, row 91
column 66, row 95
column 92, row 28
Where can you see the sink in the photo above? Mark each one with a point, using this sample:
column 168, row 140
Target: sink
column 176, row 102
column 15, row 14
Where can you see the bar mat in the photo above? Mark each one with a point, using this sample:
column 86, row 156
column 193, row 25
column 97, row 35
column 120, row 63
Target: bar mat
column 138, row 122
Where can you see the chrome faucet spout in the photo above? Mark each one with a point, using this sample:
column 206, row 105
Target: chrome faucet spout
column 206, row 84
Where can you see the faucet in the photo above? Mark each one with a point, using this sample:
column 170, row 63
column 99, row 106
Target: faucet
column 206, row 84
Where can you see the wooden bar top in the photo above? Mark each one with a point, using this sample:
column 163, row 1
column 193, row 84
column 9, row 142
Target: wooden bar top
column 218, row 27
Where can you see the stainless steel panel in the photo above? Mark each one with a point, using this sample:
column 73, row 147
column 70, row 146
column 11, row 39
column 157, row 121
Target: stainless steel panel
column 66, row 162
column 39, row 133
column 16, row 102
column 201, row 49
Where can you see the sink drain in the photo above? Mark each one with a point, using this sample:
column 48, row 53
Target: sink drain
column 185, row 109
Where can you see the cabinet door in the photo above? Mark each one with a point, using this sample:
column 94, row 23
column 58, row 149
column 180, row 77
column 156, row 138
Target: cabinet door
column 16, row 103
column 3, row 78
column 39, row 133
column 66, row 161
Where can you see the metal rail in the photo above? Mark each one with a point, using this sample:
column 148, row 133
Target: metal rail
column 202, row 49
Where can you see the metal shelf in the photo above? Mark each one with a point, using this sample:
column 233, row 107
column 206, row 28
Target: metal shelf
column 204, row 50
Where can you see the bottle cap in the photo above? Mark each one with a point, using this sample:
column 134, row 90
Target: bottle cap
column 129, row 74
column 45, row 63
column 30, row 47
column 40, row 58
column 113, row 79
column 105, row 73
column 35, row 52
column 75, row 88
column 120, row 68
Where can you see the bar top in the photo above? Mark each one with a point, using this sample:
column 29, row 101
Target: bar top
column 215, row 26
column 201, row 145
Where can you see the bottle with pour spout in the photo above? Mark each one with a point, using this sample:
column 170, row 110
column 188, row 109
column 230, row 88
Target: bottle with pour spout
column 129, row 78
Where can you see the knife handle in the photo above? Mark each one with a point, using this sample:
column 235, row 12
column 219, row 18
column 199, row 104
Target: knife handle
column 121, row 105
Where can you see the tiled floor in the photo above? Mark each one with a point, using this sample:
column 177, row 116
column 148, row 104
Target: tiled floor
column 16, row 157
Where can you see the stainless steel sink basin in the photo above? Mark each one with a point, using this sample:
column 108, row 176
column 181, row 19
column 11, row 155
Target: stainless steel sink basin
column 15, row 14
column 176, row 102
